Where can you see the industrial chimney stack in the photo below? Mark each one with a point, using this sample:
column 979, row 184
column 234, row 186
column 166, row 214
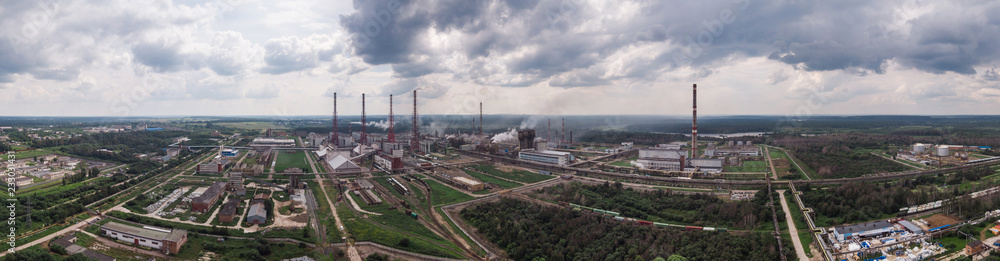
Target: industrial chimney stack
column 364, row 122
column 334, row 138
column 415, row 140
column 392, row 124
column 694, row 121
column 480, row 118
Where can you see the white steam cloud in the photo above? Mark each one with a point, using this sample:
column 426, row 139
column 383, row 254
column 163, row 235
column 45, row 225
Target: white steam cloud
column 509, row 135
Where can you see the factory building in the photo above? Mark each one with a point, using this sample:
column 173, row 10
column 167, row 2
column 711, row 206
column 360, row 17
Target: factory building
column 266, row 143
column 469, row 184
column 342, row 164
column 229, row 152
column 213, row 166
column 428, row 146
column 662, row 153
column 547, row 156
column 168, row 241
column 388, row 162
column 705, row 165
column 315, row 139
column 205, row 201
column 863, row 230
column 228, row 211
column 733, row 151
column 257, row 214
column 663, row 157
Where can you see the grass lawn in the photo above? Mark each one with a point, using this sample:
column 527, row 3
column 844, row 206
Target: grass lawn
column 295, row 159
column 489, row 179
column 398, row 219
column 363, row 230
column 800, row 223
column 517, row 175
column 30, row 154
column 326, row 216
column 624, row 163
column 444, row 195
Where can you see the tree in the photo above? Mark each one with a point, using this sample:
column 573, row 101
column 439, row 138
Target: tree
column 676, row 257
column 405, row 242
column 94, row 172
column 58, row 249
column 659, row 259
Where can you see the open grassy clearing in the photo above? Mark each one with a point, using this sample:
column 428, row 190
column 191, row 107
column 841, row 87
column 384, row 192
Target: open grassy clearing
column 518, row 175
column 295, row 159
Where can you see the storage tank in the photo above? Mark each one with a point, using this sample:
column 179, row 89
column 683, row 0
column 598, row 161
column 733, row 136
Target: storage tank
column 942, row 151
column 919, row 147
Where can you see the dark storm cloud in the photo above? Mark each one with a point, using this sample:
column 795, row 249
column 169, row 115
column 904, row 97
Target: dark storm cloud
column 811, row 35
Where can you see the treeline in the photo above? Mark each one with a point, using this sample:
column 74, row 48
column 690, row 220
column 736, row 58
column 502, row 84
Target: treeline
column 531, row 232
column 832, row 155
column 138, row 140
column 858, row 202
column 644, row 138
column 700, row 209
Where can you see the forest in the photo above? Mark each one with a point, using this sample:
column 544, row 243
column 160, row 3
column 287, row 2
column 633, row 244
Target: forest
column 531, row 232
column 665, row 206
column 859, row 202
column 833, row 155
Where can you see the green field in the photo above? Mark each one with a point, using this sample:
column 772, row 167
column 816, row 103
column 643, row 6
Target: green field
column 624, row 163
column 749, row 166
column 397, row 219
column 517, row 175
column 30, row 154
column 444, row 195
column 295, row 159
column 324, row 213
column 363, row 230
column 489, row 179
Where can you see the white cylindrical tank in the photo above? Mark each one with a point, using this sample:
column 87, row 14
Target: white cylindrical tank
column 919, row 147
column 942, row 151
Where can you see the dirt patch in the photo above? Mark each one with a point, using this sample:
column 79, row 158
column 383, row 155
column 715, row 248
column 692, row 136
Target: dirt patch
column 940, row 220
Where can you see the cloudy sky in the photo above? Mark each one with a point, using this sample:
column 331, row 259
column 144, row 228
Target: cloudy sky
column 248, row 57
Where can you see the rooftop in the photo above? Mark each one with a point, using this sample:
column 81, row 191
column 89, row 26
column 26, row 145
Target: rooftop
column 211, row 193
column 174, row 235
column 857, row 228
column 257, row 209
column 467, row 181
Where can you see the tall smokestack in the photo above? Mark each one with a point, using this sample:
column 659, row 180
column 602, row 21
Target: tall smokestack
column 563, row 137
column 334, row 138
column 392, row 124
column 473, row 126
column 548, row 133
column 480, row 118
column 570, row 137
column 364, row 122
column 694, row 121
column 415, row 140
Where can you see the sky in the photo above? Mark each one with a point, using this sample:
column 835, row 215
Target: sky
column 553, row 57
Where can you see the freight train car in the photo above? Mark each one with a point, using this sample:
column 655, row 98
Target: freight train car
column 692, row 228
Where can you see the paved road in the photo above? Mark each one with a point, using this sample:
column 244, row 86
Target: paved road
column 799, row 250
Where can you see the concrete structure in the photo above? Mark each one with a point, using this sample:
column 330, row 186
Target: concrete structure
column 68, row 242
column 23, row 181
column 911, row 227
column 365, row 184
column 264, row 143
column 388, row 162
column 862, row 230
column 428, row 146
column 662, row 153
column 168, row 241
column 205, row 201
column 211, row 167
column 526, row 139
column 236, row 183
column 257, row 214
column 342, row 164
column 470, row 185
column 734, row 151
column 548, row 156
column 228, row 211
column 974, row 247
